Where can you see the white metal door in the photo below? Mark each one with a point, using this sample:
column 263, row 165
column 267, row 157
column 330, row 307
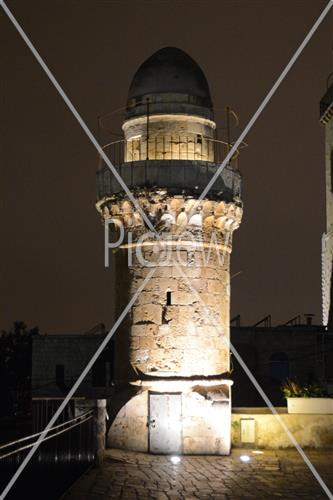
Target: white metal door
column 165, row 428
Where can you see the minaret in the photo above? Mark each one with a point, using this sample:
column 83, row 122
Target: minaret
column 172, row 383
column 326, row 118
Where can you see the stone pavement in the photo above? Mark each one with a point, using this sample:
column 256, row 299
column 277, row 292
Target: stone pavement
column 278, row 474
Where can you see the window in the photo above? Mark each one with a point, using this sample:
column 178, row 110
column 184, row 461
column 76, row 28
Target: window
column 168, row 298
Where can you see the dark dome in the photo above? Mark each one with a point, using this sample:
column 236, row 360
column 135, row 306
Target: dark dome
column 170, row 76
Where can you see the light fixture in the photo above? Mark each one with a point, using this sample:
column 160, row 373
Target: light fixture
column 257, row 452
column 244, row 458
column 175, row 459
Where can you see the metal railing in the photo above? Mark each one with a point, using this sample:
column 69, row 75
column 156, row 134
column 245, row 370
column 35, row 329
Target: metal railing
column 54, row 432
column 265, row 322
column 189, row 177
column 169, row 147
column 65, row 453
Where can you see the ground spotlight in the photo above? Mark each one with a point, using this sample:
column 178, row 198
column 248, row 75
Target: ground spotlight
column 175, row 459
column 244, row 458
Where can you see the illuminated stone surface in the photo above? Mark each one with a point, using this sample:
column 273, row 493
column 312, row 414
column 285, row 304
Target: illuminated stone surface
column 326, row 117
column 313, row 431
column 175, row 341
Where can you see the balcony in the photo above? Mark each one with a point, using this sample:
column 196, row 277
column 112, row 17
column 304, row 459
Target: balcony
column 182, row 165
column 178, row 177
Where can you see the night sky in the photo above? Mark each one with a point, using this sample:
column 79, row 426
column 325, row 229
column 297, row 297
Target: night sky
column 52, row 272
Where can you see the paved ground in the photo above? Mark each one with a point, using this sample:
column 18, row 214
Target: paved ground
column 279, row 474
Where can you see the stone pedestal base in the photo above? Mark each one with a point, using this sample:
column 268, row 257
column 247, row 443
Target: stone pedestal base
column 204, row 422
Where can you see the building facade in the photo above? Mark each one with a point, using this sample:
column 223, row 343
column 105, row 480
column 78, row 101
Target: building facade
column 172, row 360
column 326, row 118
column 297, row 350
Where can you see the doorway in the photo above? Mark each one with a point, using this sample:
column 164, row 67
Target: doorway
column 165, row 422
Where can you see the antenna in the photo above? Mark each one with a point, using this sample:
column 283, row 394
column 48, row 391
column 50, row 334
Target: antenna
column 229, row 112
column 147, row 156
column 228, row 128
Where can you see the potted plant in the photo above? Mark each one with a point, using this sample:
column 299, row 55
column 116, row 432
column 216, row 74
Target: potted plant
column 310, row 398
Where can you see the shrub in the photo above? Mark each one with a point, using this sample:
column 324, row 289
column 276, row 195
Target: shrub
column 293, row 389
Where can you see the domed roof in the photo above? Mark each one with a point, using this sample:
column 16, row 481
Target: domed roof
column 170, row 75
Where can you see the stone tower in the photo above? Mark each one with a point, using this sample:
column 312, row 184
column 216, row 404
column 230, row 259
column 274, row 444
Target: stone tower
column 326, row 118
column 172, row 362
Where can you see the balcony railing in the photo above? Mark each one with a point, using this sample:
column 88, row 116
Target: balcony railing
column 169, row 147
column 186, row 177
column 159, row 166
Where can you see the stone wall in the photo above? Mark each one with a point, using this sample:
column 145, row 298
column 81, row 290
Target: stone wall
column 182, row 338
column 129, row 430
column 313, row 431
column 205, row 425
column 169, row 330
column 179, row 325
column 171, row 137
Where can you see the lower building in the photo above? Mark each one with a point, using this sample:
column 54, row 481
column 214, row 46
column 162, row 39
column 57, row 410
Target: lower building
column 296, row 350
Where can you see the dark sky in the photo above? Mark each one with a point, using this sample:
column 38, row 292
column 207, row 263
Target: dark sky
column 52, row 271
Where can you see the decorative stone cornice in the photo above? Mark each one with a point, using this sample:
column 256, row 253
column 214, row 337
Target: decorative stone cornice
column 172, row 214
column 327, row 116
column 326, row 106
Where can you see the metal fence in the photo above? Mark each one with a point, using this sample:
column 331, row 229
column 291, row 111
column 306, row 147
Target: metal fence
column 69, row 446
column 168, row 147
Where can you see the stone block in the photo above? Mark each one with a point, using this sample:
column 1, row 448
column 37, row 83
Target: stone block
column 205, row 272
column 165, row 360
column 208, row 331
column 180, row 342
column 166, row 283
column 163, row 271
column 144, row 329
column 166, row 341
column 172, row 314
column 210, row 299
column 148, row 297
column 151, row 313
column 135, row 342
column 137, row 406
column 216, row 287
column 140, row 356
column 147, row 342
column 184, row 298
